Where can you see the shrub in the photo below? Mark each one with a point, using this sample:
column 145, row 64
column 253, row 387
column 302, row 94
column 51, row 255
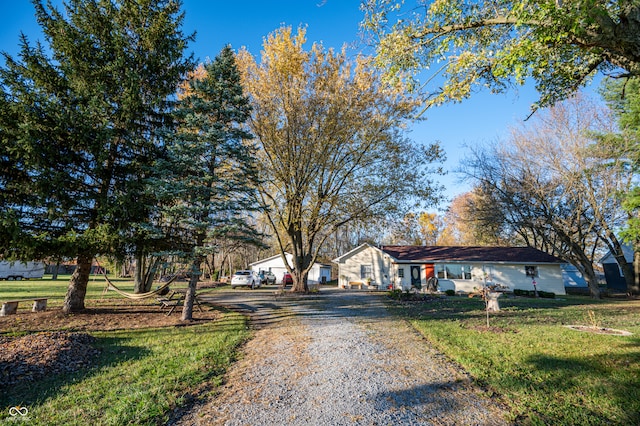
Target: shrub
column 547, row 294
column 531, row 293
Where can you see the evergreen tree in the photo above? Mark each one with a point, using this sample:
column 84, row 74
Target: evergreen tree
column 79, row 127
column 623, row 97
column 208, row 178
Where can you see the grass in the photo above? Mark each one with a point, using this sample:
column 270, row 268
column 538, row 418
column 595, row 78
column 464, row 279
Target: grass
column 545, row 373
column 56, row 290
column 140, row 375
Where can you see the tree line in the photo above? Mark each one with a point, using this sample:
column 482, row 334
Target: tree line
column 115, row 144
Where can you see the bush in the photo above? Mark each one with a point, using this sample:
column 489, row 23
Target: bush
column 531, row 293
column 395, row 294
column 410, row 296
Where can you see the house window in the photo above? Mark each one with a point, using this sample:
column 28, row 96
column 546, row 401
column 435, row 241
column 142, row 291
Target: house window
column 400, row 272
column 531, row 271
column 453, row 271
column 365, row 271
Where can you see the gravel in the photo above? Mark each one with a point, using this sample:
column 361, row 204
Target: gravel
column 339, row 359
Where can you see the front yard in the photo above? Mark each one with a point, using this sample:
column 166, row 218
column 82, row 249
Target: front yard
column 546, row 373
column 148, row 364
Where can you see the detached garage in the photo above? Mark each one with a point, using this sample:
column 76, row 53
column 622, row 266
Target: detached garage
column 275, row 264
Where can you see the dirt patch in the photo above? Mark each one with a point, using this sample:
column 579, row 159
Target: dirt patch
column 31, row 357
column 102, row 316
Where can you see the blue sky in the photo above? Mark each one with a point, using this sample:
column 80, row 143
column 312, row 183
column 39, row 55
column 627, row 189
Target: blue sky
column 482, row 119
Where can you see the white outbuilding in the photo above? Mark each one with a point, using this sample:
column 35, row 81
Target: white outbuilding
column 275, row 264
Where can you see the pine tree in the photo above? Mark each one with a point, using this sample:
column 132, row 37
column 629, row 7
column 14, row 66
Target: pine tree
column 208, row 182
column 79, row 128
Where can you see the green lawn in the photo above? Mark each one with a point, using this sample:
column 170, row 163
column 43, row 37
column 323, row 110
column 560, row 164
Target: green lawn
column 140, row 375
column 546, row 373
column 55, row 290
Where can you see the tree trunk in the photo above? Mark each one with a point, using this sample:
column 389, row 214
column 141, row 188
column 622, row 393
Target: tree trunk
column 151, row 274
column 187, row 308
column 54, row 276
column 636, row 269
column 77, row 290
column 300, row 284
column 592, row 281
column 138, row 274
column 300, row 274
column 145, row 272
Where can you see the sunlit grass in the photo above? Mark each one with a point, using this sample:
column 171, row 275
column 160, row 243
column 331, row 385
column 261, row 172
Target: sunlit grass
column 55, row 290
column 141, row 375
column 546, row 373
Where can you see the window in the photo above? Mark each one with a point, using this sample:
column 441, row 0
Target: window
column 453, row 271
column 531, row 271
column 365, row 271
column 400, row 272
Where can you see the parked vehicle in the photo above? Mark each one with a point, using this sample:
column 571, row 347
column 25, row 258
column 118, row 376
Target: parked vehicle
column 267, row 277
column 287, row 279
column 246, row 278
column 20, row 270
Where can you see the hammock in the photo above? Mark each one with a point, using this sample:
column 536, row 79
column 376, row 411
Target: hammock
column 137, row 296
column 134, row 296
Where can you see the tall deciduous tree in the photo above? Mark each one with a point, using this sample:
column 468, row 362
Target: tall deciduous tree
column 332, row 144
column 463, row 225
column 208, row 180
column 79, row 127
column 552, row 189
column 497, row 43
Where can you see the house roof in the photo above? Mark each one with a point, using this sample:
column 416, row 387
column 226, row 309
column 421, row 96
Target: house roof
column 353, row 251
column 289, row 257
column 268, row 259
column 469, row 254
column 627, row 250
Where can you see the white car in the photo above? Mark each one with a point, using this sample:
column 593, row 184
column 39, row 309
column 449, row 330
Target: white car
column 249, row 279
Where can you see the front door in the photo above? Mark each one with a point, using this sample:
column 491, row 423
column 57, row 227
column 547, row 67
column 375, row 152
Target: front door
column 429, row 271
column 415, row 276
column 430, row 277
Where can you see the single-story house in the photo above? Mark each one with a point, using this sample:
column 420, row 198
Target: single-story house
column 275, row 264
column 462, row 269
column 612, row 271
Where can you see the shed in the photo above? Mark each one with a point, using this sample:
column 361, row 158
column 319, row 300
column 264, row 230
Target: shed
column 276, row 265
column 612, row 271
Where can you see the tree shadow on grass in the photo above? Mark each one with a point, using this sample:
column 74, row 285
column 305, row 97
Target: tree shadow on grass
column 113, row 351
column 578, row 381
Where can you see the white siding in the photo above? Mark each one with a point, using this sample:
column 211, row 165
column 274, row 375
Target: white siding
column 512, row 276
column 317, row 272
column 276, row 265
column 350, row 268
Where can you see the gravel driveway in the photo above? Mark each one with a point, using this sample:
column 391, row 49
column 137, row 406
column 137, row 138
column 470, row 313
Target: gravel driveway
column 338, row 358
